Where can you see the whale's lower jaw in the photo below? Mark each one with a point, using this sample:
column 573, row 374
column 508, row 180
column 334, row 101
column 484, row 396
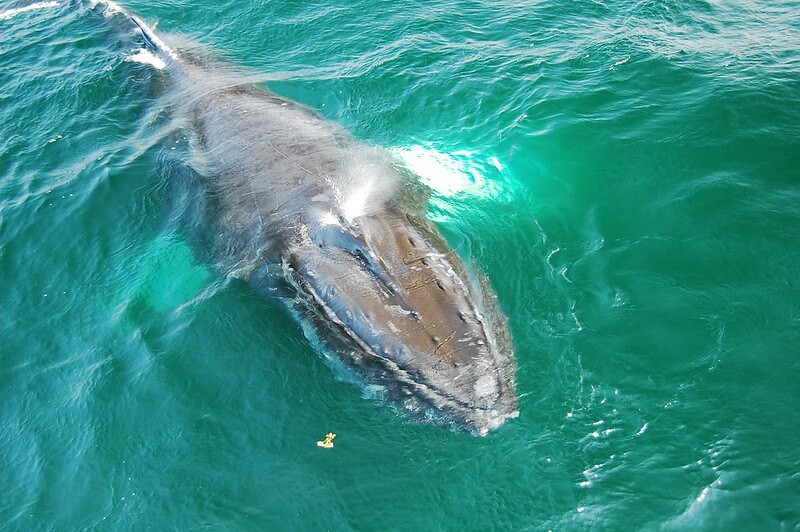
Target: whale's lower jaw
column 411, row 393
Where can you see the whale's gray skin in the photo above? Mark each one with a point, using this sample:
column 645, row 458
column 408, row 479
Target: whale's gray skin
column 301, row 202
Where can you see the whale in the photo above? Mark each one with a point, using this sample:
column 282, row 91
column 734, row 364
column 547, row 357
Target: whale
column 335, row 228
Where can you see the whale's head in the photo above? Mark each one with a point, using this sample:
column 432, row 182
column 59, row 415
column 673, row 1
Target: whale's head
column 413, row 321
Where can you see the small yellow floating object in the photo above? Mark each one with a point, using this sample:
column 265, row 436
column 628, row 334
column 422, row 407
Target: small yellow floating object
column 328, row 441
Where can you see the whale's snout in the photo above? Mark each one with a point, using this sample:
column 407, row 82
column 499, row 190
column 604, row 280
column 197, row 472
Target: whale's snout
column 419, row 327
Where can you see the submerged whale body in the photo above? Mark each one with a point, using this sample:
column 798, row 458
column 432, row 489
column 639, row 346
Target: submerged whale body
column 302, row 204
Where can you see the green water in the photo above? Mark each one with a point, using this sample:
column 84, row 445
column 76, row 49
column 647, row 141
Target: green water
column 627, row 174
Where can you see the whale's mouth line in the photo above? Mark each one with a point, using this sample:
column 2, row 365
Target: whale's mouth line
column 436, row 398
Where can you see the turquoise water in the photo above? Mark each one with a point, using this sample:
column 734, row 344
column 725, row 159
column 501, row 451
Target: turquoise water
column 626, row 174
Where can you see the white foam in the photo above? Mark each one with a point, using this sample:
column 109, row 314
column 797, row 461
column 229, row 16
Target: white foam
column 620, row 62
column 11, row 13
column 329, row 219
column 148, row 58
column 111, row 7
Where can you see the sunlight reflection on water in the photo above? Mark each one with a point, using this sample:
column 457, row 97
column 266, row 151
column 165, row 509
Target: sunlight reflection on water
column 456, row 173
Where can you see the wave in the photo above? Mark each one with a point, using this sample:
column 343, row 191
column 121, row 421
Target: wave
column 11, row 13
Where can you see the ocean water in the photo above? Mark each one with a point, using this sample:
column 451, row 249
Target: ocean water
column 627, row 175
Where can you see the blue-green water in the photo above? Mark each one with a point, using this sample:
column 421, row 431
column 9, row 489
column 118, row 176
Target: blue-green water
column 627, row 175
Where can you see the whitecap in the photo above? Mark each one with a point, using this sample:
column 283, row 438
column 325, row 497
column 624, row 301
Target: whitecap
column 11, row 13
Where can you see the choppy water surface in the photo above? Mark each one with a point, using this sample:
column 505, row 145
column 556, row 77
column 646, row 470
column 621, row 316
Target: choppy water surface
column 626, row 174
